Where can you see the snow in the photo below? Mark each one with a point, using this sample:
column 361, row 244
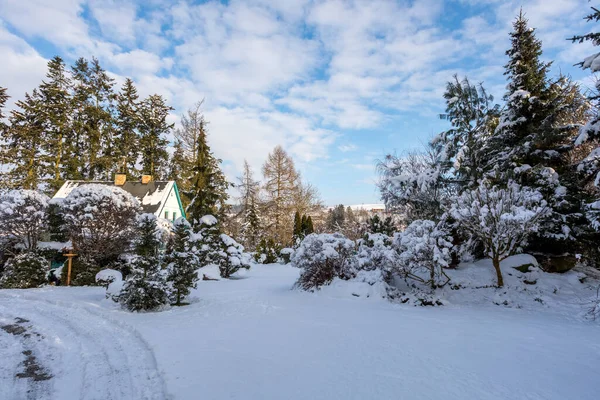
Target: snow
column 254, row 338
column 108, row 276
column 208, row 220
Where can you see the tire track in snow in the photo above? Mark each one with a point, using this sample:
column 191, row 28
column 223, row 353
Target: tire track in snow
column 108, row 358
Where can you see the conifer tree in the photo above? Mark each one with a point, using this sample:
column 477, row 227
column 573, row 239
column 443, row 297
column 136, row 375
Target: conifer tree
column 177, row 163
column 3, row 99
column 207, row 186
column 251, row 228
column 146, row 288
column 299, row 224
column 309, row 226
column 22, row 144
column 183, row 263
column 127, row 121
column 93, row 99
column 55, row 103
column 153, row 128
column 250, row 215
column 473, row 116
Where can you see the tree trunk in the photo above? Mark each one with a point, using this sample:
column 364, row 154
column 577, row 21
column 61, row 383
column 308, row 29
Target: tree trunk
column 496, row 262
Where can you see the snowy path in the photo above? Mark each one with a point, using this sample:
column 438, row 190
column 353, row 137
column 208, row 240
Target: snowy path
column 89, row 354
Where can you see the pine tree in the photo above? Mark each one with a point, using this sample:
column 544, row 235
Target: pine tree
column 471, row 112
column 153, row 128
column 207, row 186
column 55, row 103
column 22, row 145
column 127, row 121
column 182, row 262
column 94, row 126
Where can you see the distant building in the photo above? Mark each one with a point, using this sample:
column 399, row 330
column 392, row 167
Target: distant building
column 160, row 198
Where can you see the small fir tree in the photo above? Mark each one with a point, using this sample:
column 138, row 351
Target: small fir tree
column 182, row 262
column 26, row 270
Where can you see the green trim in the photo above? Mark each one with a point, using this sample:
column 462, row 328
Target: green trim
column 179, row 199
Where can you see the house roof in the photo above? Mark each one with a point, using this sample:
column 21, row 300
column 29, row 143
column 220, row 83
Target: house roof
column 152, row 196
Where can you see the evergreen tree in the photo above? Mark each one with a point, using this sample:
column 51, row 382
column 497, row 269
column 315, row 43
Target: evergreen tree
column 152, row 142
column 93, row 100
column 55, row 108
column 26, row 270
column 249, row 212
column 473, row 116
column 377, row 225
column 21, row 145
column 336, row 218
column 526, row 102
column 127, row 121
column 309, row 226
column 3, row 99
column 177, row 163
column 208, row 185
column 146, row 288
column 182, row 262
column 299, row 225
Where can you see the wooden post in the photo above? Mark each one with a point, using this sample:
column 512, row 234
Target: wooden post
column 69, row 256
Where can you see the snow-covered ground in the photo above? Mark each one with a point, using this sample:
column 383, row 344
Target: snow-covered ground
column 254, row 338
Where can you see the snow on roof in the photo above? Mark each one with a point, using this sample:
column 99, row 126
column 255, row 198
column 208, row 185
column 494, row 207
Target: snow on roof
column 151, row 195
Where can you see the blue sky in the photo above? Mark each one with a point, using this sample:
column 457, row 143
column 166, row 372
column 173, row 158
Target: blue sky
column 336, row 83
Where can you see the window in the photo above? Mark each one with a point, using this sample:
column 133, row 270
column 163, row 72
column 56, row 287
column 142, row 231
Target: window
column 174, row 215
column 166, row 215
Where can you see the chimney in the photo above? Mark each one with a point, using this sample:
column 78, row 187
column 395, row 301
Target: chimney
column 120, row 179
column 146, row 179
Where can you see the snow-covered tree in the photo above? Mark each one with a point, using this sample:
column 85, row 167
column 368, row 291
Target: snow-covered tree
column 415, row 187
column 100, row 221
column 424, row 246
column 500, row 219
column 23, row 217
column 473, row 116
column 385, row 226
column 266, row 251
column 323, row 257
column 146, row 288
column 214, row 247
column 26, row 270
column 182, row 262
column 376, row 251
column 249, row 212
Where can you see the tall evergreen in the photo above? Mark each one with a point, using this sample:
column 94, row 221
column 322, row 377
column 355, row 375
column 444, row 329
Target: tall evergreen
column 473, row 116
column 22, row 144
column 249, row 213
column 177, row 163
column 208, row 185
column 3, row 99
column 298, row 225
column 55, row 103
column 153, row 129
column 127, row 121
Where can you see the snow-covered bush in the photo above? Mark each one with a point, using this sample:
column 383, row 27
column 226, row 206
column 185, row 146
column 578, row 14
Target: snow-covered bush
column 424, row 246
column 107, row 276
column 146, row 288
column 322, row 258
column 286, row 254
column 501, row 219
column 182, row 262
column 26, row 270
column 100, row 220
column 266, row 251
column 376, row 251
column 214, row 247
column 23, row 217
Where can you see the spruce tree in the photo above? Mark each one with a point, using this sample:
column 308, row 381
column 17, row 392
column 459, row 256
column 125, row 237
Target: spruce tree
column 3, row 99
column 153, row 128
column 251, row 228
column 182, row 262
column 208, row 185
column 146, row 288
column 127, row 121
column 55, row 103
column 309, row 226
column 177, row 163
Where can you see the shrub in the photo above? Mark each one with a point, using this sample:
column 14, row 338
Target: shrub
column 375, row 251
column 424, row 246
column 266, row 251
column 23, row 217
column 100, row 221
column 324, row 257
column 26, row 270
column 146, row 288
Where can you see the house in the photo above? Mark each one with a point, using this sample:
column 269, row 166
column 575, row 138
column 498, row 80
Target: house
column 160, row 198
